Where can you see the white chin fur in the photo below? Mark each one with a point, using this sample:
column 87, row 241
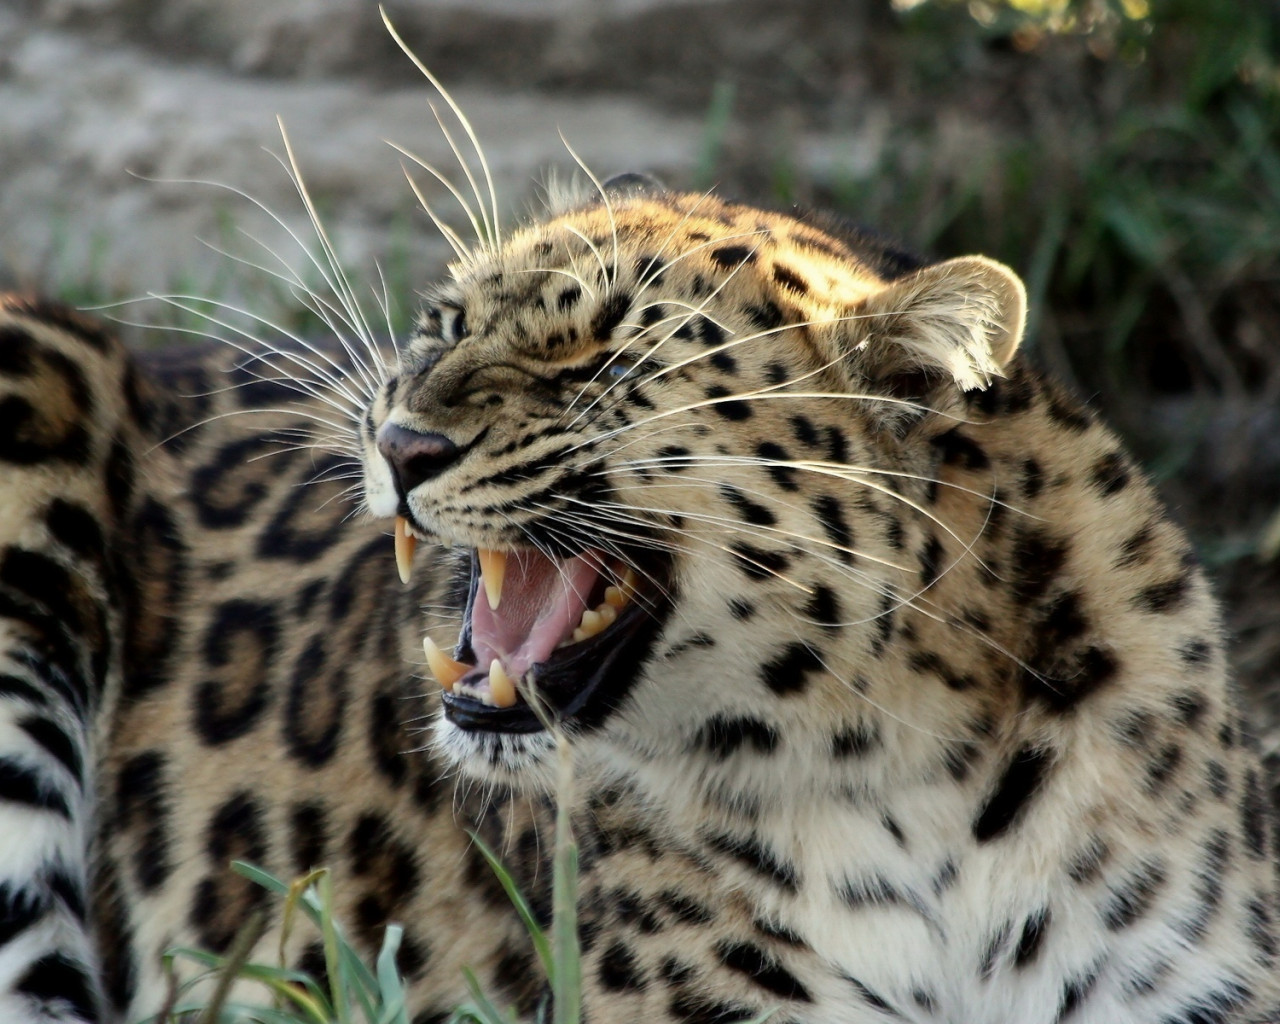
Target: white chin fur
column 524, row 761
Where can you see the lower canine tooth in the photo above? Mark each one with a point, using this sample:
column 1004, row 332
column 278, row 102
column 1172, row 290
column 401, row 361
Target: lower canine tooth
column 501, row 689
column 444, row 668
column 493, row 570
column 405, row 544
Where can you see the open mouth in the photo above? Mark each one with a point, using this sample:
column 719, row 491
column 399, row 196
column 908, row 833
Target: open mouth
column 545, row 639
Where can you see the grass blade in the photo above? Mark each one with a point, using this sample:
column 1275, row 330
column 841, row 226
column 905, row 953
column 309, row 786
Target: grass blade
column 484, row 1010
column 540, row 941
column 390, row 985
column 566, row 985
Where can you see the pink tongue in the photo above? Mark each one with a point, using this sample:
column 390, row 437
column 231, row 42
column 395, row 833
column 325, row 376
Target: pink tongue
column 542, row 602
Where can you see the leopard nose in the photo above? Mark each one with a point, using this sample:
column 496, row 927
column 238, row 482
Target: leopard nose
column 414, row 456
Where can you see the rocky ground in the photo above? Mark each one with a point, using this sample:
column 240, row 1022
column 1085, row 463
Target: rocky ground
column 111, row 109
column 119, row 155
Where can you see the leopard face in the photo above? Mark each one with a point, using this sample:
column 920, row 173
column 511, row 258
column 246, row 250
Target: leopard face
column 646, row 428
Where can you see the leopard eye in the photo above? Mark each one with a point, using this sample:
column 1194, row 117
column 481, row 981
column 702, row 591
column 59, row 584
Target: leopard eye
column 445, row 321
column 453, row 324
column 621, row 366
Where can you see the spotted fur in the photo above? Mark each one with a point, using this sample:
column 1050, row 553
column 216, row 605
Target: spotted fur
column 934, row 724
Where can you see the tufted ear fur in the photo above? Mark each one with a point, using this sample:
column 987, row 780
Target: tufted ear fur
column 963, row 318
column 577, row 191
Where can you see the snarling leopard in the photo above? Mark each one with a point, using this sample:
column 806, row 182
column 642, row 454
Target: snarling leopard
column 887, row 689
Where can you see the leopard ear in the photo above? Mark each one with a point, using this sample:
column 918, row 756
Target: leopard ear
column 963, row 318
column 633, row 185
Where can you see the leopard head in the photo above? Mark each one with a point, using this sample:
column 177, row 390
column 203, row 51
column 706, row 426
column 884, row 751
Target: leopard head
column 667, row 437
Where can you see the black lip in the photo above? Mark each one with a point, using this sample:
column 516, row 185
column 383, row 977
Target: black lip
column 581, row 685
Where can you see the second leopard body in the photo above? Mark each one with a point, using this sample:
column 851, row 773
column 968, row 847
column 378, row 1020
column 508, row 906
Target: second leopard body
column 911, row 704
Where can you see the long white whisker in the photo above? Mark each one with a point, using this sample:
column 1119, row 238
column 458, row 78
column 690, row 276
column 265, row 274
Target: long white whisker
column 756, row 530
column 861, row 695
column 335, row 386
column 656, row 267
column 478, row 226
column 289, row 382
column 591, row 247
column 648, row 354
column 863, row 479
column 331, row 316
column 750, row 530
column 383, row 299
column 841, row 470
column 330, row 371
column 496, row 237
column 294, row 278
column 490, row 223
column 243, row 412
column 346, row 296
column 572, row 275
column 626, row 512
column 695, row 249
column 610, row 279
column 772, row 391
column 918, row 600
column 447, row 233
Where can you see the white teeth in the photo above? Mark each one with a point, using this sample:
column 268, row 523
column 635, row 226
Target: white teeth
column 596, row 620
column 405, row 544
column 444, row 668
column 493, row 570
column 471, row 690
column 502, row 691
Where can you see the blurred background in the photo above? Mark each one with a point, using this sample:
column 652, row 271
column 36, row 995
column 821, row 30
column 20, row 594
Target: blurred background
column 1123, row 155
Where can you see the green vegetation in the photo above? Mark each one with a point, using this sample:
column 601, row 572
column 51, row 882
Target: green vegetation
column 1131, row 170
column 354, row 994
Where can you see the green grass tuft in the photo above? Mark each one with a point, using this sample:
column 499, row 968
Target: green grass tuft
column 355, row 994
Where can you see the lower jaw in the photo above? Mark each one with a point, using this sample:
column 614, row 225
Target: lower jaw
column 475, row 716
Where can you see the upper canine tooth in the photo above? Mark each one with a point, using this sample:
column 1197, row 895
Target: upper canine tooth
column 501, row 689
column 405, row 544
column 493, row 570
column 444, row 668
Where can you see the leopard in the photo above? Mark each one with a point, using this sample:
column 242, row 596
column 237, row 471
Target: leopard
column 870, row 674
